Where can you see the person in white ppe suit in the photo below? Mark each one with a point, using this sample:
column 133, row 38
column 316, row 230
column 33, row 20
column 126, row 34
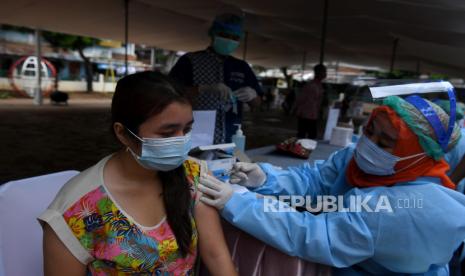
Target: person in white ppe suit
column 409, row 219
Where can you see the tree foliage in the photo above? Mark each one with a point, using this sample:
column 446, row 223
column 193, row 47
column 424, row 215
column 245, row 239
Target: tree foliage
column 73, row 42
column 67, row 41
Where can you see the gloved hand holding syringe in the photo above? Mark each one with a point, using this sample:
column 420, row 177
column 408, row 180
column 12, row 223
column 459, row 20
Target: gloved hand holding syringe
column 247, row 174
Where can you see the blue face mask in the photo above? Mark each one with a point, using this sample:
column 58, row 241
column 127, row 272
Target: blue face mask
column 374, row 160
column 224, row 46
column 163, row 154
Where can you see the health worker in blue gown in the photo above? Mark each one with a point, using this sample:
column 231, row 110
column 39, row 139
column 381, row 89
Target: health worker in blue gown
column 408, row 219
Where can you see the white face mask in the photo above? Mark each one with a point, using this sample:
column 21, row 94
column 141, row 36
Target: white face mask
column 163, row 154
column 374, row 160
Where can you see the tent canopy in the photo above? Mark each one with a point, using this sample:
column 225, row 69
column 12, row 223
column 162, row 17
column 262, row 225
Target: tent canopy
column 431, row 33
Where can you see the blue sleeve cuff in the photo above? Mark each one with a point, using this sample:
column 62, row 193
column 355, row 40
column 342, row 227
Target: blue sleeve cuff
column 270, row 187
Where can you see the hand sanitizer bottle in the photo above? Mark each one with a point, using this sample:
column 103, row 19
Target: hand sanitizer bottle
column 239, row 138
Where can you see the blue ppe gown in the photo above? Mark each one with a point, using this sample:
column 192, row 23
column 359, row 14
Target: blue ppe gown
column 454, row 156
column 418, row 235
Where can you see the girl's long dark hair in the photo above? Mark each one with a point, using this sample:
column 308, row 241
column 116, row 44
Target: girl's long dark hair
column 138, row 97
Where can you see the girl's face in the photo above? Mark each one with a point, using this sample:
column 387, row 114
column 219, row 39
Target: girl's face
column 175, row 120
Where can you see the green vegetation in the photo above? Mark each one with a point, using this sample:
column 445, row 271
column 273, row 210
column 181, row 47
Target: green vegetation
column 65, row 41
column 5, row 94
column 73, row 42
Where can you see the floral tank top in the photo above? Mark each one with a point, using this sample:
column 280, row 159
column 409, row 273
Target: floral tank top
column 106, row 239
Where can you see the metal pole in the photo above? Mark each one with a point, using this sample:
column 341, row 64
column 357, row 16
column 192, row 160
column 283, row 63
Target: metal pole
column 246, row 40
column 393, row 56
column 38, row 91
column 126, row 31
column 323, row 32
column 304, row 61
column 153, row 60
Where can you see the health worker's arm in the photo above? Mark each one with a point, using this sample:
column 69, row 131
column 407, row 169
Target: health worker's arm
column 306, row 179
column 338, row 239
column 213, row 249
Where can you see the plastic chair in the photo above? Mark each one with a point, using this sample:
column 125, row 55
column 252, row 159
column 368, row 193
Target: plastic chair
column 21, row 201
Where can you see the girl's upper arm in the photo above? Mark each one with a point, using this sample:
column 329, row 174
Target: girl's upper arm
column 58, row 260
column 212, row 245
column 209, row 227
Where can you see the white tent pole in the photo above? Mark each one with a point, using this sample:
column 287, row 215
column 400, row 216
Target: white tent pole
column 38, row 91
column 246, row 40
column 394, row 52
column 126, row 31
column 323, row 32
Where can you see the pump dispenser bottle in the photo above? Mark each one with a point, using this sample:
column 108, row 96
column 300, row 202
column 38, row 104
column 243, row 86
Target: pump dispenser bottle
column 239, row 138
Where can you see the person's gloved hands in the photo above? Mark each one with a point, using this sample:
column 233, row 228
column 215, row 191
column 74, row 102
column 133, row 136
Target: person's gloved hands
column 247, row 174
column 245, row 94
column 215, row 192
column 218, row 89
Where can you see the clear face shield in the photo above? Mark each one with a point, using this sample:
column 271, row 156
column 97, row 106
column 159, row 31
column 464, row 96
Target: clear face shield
column 411, row 93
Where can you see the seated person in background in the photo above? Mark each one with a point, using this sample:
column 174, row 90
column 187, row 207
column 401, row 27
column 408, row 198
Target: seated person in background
column 136, row 212
column 411, row 220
